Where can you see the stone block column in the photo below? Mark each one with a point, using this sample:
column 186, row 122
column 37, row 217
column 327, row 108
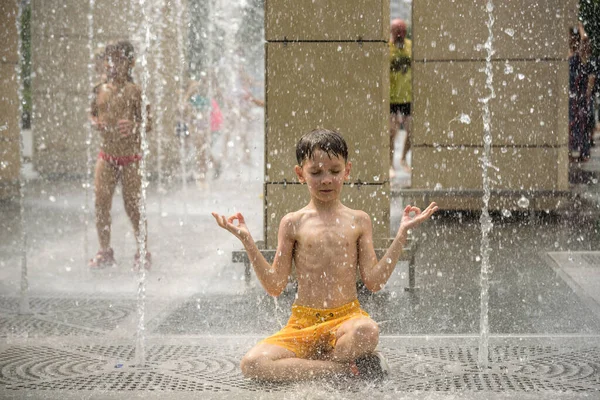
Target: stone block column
column 529, row 112
column 10, row 162
column 327, row 65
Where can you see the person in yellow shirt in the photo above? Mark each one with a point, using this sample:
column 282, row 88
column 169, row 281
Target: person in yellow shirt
column 400, row 88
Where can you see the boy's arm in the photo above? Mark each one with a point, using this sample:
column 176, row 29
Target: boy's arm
column 375, row 273
column 274, row 277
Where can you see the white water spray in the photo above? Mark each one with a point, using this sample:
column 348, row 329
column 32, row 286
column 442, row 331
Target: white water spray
column 24, row 289
column 485, row 220
column 90, row 133
column 180, row 74
column 158, row 107
column 140, row 348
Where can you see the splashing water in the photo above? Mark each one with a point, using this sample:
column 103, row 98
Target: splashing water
column 523, row 202
column 90, row 134
column 485, row 219
column 277, row 309
column 159, row 109
column 140, row 348
column 24, row 290
column 180, row 73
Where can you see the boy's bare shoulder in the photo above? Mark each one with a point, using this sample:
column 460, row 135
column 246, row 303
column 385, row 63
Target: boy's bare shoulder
column 359, row 215
column 133, row 90
column 296, row 217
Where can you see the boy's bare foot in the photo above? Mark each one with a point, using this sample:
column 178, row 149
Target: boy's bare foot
column 137, row 262
column 392, row 173
column 103, row 259
column 371, row 366
column 405, row 166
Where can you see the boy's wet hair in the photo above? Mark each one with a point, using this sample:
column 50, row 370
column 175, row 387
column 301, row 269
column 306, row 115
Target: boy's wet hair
column 125, row 49
column 331, row 142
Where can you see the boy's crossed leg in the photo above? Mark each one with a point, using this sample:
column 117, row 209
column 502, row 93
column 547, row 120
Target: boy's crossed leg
column 354, row 338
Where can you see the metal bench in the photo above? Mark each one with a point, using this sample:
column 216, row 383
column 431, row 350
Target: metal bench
column 408, row 254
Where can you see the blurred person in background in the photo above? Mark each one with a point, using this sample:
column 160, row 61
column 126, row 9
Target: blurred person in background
column 400, row 89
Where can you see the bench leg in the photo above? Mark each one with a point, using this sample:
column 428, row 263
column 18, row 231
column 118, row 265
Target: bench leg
column 411, row 274
column 247, row 270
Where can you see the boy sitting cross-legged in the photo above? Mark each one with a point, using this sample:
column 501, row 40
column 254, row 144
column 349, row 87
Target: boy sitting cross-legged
column 328, row 334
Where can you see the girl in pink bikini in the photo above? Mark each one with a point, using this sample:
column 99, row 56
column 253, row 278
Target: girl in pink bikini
column 117, row 115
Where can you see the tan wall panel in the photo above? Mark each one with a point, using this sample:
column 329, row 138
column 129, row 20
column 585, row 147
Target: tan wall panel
column 327, row 20
column 518, row 168
column 9, row 103
column 60, row 17
column 305, row 90
column 446, row 169
column 10, row 162
column 457, row 30
column 530, row 107
column 8, row 32
column 373, row 199
column 443, row 92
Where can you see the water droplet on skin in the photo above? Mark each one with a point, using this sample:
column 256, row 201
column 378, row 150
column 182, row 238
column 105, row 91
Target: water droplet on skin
column 523, row 202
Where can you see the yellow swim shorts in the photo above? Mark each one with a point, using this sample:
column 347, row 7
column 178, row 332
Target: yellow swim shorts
column 312, row 331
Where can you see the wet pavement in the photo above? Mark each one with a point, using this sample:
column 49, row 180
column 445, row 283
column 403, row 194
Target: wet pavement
column 79, row 338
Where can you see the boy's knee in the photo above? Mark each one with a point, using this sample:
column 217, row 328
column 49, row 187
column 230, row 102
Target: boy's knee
column 367, row 330
column 251, row 365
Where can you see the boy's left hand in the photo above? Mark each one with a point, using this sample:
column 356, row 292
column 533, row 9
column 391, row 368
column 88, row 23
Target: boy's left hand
column 410, row 221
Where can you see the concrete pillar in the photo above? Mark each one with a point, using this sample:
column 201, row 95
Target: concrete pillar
column 327, row 65
column 60, row 86
column 10, row 119
column 529, row 112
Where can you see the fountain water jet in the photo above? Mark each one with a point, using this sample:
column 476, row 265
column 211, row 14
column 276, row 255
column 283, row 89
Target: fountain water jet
column 88, row 141
column 140, row 348
column 485, row 219
column 180, row 75
column 24, row 286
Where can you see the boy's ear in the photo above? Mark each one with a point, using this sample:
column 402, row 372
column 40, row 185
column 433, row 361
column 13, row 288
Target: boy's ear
column 347, row 170
column 299, row 173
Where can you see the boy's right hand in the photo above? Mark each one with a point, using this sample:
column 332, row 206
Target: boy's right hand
column 240, row 230
column 97, row 125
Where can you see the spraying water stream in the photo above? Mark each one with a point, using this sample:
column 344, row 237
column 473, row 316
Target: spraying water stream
column 90, row 133
column 485, row 219
column 140, row 348
column 180, row 76
column 24, row 287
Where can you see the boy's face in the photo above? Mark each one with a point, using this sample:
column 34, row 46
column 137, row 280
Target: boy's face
column 324, row 176
column 117, row 65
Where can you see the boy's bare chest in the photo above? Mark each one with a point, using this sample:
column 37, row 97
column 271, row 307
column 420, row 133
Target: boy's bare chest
column 113, row 101
column 328, row 238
